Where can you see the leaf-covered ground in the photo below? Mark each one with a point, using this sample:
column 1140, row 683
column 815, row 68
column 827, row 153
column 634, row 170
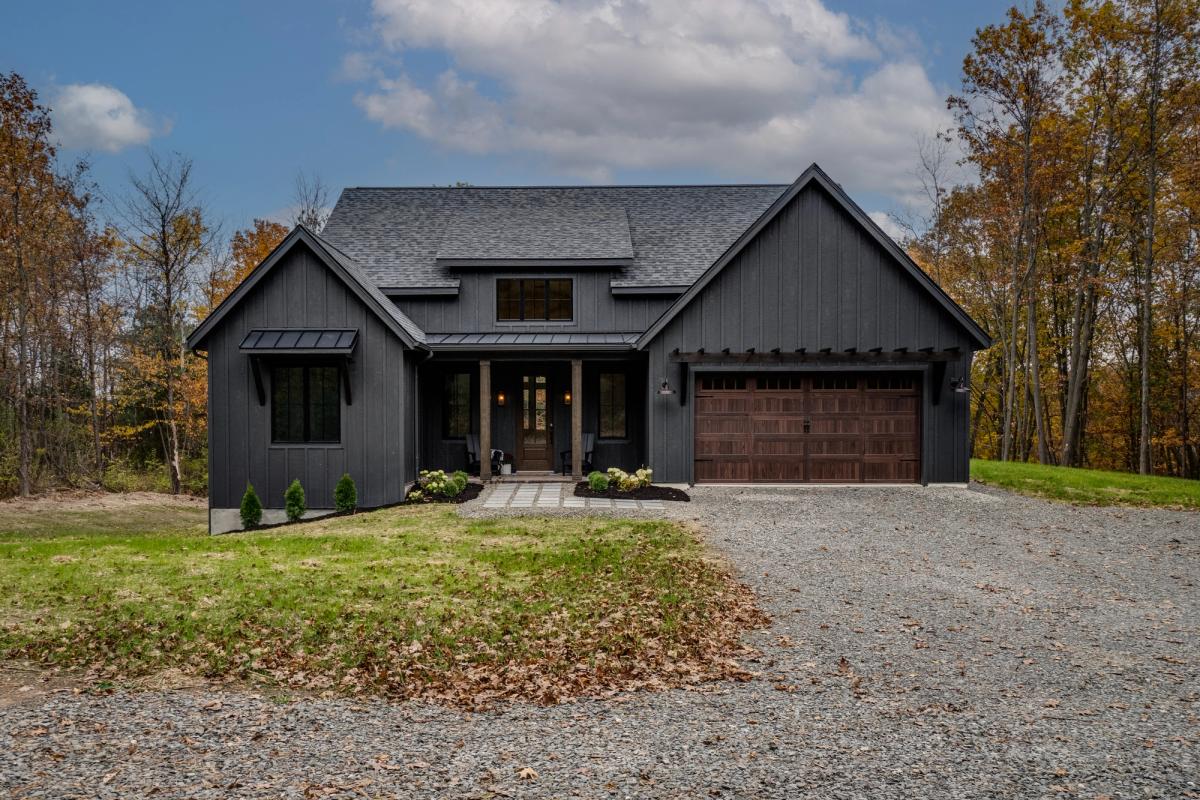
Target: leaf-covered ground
column 406, row 602
column 1088, row 486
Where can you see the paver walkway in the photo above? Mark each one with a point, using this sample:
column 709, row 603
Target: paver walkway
column 557, row 495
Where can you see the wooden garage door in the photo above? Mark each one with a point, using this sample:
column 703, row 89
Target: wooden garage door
column 807, row 428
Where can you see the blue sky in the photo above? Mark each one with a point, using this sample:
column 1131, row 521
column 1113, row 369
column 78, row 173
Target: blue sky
column 418, row 92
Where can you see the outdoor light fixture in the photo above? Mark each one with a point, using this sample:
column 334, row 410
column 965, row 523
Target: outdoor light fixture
column 665, row 390
column 959, row 385
column 501, row 398
column 566, row 398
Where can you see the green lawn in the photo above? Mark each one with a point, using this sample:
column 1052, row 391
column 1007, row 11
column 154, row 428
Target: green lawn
column 404, row 601
column 1088, row 486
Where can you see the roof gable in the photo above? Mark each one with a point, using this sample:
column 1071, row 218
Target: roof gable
column 338, row 263
column 814, row 174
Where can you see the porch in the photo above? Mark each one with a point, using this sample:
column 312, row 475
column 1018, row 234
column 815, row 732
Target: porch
column 539, row 409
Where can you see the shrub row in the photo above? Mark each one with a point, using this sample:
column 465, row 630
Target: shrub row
column 345, row 500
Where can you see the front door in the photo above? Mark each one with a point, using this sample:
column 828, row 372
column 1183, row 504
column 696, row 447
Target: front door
column 535, row 431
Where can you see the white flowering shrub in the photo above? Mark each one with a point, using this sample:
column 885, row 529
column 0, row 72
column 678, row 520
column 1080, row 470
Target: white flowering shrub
column 627, row 482
column 436, row 483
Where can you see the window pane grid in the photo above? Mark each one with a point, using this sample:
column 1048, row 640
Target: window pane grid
column 306, row 404
column 534, row 299
column 457, row 419
column 612, row 405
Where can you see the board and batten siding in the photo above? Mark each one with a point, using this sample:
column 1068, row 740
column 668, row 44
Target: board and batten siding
column 474, row 309
column 812, row 278
column 377, row 428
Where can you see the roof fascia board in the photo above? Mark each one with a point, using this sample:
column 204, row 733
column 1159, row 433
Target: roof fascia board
column 490, row 347
column 550, row 263
column 420, row 291
column 814, row 173
column 647, row 289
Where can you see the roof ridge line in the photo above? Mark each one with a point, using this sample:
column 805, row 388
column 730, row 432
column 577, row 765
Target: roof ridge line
column 583, row 186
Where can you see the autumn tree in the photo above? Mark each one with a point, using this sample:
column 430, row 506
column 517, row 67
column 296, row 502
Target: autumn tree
column 310, row 198
column 165, row 239
column 248, row 248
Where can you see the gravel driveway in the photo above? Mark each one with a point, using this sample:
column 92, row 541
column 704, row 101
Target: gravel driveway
column 926, row 643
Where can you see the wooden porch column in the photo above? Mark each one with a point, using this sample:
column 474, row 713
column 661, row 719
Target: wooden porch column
column 577, row 418
column 485, row 420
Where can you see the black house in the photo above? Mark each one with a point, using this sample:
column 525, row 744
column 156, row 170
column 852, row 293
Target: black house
column 718, row 334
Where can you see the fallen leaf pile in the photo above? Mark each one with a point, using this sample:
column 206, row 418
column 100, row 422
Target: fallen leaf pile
column 645, row 625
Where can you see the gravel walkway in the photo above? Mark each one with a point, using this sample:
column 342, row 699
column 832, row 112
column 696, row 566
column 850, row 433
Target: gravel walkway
column 926, row 643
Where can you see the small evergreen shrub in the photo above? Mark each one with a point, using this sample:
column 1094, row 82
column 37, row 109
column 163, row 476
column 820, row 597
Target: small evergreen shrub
column 251, row 509
column 345, row 495
column 598, row 482
column 293, row 501
column 462, row 478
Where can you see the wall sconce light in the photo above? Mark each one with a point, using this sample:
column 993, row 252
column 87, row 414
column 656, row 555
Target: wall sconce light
column 501, row 398
column 665, row 390
column 959, row 385
column 566, row 398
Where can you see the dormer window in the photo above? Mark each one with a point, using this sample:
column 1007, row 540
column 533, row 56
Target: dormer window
column 534, row 299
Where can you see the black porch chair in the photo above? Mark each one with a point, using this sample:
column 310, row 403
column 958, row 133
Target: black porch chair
column 589, row 446
column 473, row 461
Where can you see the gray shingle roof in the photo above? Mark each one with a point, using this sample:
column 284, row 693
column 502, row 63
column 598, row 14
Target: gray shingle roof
column 676, row 232
column 368, row 283
column 536, row 232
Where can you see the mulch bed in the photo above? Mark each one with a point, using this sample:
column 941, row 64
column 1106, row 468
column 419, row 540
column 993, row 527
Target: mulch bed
column 472, row 491
column 651, row 492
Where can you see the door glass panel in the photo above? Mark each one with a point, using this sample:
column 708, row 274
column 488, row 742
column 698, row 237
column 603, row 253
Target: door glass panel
column 535, row 412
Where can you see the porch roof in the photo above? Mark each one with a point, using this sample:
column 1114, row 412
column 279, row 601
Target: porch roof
column 531, row 341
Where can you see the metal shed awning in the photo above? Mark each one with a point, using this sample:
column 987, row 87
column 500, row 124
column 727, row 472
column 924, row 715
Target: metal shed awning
column 262, row 342
column 300, row 341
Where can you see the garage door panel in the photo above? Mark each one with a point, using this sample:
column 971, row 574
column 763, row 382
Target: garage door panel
column 906, row 426
column 777, row 425
column 835, row 470
column 892, row 471
column 722, row 446
column 726, row 425
column 829, row 403
column 834, row 447
column 823, row 426
column 891, row 446
column 779, row 446
column 889, row 405
column 778, row 471
column 792, row 428
column 722, row 471
column 737, row 404
column 779, row 406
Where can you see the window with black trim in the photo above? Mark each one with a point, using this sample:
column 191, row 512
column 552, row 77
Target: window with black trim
column 612, row 405
column 306, row 404
column 456, row 419
column 534, row 299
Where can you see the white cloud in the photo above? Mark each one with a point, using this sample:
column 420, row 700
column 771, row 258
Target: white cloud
column 889, row 225
column 100, row 117
column 748, row 88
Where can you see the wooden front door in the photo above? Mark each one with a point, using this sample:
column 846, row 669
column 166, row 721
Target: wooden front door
column 807, row 428
column 535, row 428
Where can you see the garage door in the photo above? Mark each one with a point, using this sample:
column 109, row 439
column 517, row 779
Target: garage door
column 807, row 428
